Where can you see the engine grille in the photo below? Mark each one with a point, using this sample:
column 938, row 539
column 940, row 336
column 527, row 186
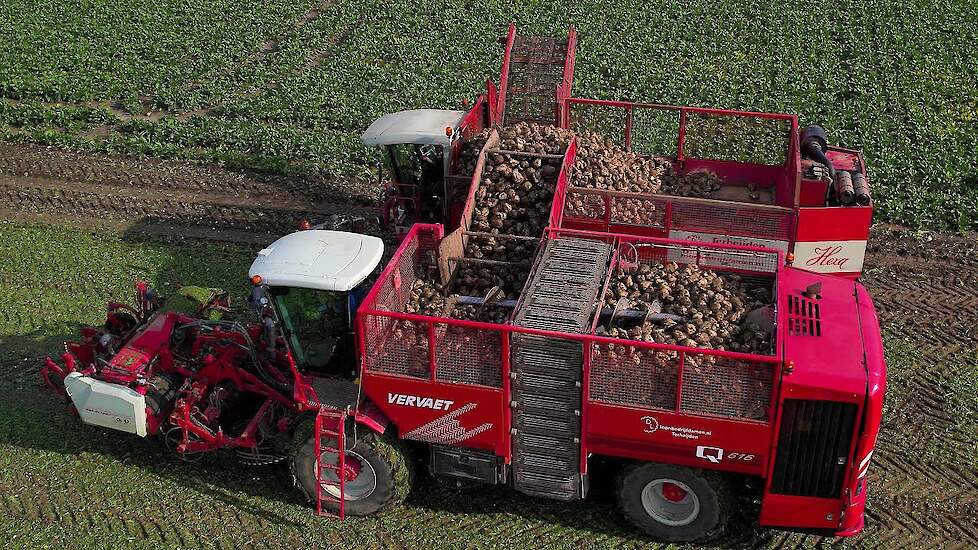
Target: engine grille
column 804, row 317
column 813, row 447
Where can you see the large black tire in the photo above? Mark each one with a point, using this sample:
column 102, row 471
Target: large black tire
column 700, row 514
column 386, row 457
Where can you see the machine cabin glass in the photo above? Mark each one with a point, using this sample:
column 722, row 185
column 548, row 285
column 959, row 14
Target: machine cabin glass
column 423, row 168
column 314, row 323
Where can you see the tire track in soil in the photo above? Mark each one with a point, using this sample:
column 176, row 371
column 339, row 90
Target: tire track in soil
column 29, row 161
column 927, row 293
column 165, row 198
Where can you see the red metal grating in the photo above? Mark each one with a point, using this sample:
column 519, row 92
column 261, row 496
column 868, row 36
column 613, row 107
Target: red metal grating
column 392, row 295
column 758, row 261
column 396, row 347
column 726, row 387
column 626, row 375
column 583, row 205
column 804, row 317
column 731, row 219
column 535, row 71
column 468, row 356
column 643, row 212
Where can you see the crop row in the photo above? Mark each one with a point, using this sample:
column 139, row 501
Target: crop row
column 298, row 82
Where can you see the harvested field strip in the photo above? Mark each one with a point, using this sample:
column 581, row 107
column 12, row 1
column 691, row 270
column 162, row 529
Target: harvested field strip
column 28, row 162
column 165, row 197
column 96, row 203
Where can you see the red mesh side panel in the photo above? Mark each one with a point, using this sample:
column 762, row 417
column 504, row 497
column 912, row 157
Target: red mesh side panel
column 396, row 347
column 625, row 375
column 758, row 261
column 677, row 214
column 726, row 387
column 749, row 139
column 606, row 120
column 581, row 205
column 731, row 219
column 419, row 259
column 644, row 212
column 468, row 356
column 589, row 205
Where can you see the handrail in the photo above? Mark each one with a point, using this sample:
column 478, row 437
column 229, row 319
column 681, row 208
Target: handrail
column 668, row 107
column 675, row 198
column 504, row 74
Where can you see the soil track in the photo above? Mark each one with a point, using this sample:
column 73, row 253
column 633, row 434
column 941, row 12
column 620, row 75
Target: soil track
column 924, row 481
column 156, row 197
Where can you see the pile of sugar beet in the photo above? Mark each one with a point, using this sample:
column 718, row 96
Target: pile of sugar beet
column 512, row 207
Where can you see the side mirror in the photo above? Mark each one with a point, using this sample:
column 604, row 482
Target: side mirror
column 257, row 299
column 268, row 327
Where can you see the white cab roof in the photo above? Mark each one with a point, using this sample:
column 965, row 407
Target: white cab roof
column 324, row 260
column 420, row 126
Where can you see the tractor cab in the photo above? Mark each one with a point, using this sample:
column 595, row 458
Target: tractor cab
column 417, row 154
column 313, row 281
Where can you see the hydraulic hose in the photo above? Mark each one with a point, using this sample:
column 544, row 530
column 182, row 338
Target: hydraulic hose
column 814, row 143
column 284, row 388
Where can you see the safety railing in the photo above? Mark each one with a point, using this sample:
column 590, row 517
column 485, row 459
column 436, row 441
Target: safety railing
column 754, row 154
column 641, row 374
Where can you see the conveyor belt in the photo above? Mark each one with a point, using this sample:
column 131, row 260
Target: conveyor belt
column 546, row 390
column 536, row 69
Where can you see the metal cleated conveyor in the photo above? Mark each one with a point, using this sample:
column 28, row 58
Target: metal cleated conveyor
column 546, row 372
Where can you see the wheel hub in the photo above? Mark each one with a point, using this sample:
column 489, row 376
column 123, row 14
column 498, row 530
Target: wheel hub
column 673, row 492
column 351, row 468
column 359, row 477
column 670, row 502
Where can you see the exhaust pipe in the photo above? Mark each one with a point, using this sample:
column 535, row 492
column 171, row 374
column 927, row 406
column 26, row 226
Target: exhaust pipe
column 861, row 189
column 843, row 188
column 814, row 144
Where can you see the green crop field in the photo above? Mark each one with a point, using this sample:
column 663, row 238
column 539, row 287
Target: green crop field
column 288, row 86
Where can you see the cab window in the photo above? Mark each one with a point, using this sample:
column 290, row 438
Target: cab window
column 406, row 163
column 313, row 322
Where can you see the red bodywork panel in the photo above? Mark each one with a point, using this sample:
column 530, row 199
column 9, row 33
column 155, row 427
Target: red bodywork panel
column 855, row 493
column 832, row 240
column 661, row 436
column 447, row 414
column 133, row 359
column 850, row 371
column 820, row 371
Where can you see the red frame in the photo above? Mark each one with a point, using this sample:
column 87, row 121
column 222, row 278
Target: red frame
column 845, row 229
column 379, row 385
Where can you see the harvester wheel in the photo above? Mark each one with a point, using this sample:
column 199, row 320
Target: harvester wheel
column 380, row 474
column 673, row 503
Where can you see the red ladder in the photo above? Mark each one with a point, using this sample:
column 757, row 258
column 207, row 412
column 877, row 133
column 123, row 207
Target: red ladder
column 331, row 424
